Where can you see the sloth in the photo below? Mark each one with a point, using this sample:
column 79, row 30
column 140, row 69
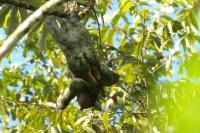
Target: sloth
column 89, row 76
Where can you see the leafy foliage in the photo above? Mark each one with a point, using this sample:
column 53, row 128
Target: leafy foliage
column 153, row 45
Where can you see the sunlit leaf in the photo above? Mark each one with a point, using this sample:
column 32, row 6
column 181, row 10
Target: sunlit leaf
column 123, row 42
column 183, row 44
column 104, row 33
column 115, row 19
column 129, row 72
column 111, row 37
column 126, row 7
column 89, row 130
column 144, row 14
column 106, row 119
column 3, row 12
column 81, row 120
column 194, row 20
column 138, row 50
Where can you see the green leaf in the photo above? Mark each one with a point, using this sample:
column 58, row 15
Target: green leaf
column 42, row 39
column 122, row 3
column 86, row 121
column 115, row 19
column 123, row 42
column 89, row 130
column 197, row 38
column 104, row 33
column 138, row 49
column 129, row 72
column 144, row 14
column 4, row 11
column 194, row 19
column 182, row 2
column 23, row 14
column 143, row 3
column 60, row 82
column 111, row 37
column 126, row 27
column 187, row 20
column 125, row 18
column 126, row 7
column 106, row 120
column 31, row 33
column 81, row 120
column 13, row 114
column 183, row 42
column 155, row 38
column 176, row 26
column 168, row 18
column 13, row 21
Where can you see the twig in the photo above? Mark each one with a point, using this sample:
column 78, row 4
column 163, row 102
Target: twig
column 99, row 27
column 143, row 38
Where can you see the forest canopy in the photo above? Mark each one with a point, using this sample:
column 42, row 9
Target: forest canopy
column 152, row 44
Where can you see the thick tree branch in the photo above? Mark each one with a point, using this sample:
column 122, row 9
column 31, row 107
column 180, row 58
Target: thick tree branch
column 23, row 28
column 24, row 5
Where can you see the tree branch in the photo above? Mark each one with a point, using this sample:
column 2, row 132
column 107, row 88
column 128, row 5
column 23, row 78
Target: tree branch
column 23, row 28
column 24, row 5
